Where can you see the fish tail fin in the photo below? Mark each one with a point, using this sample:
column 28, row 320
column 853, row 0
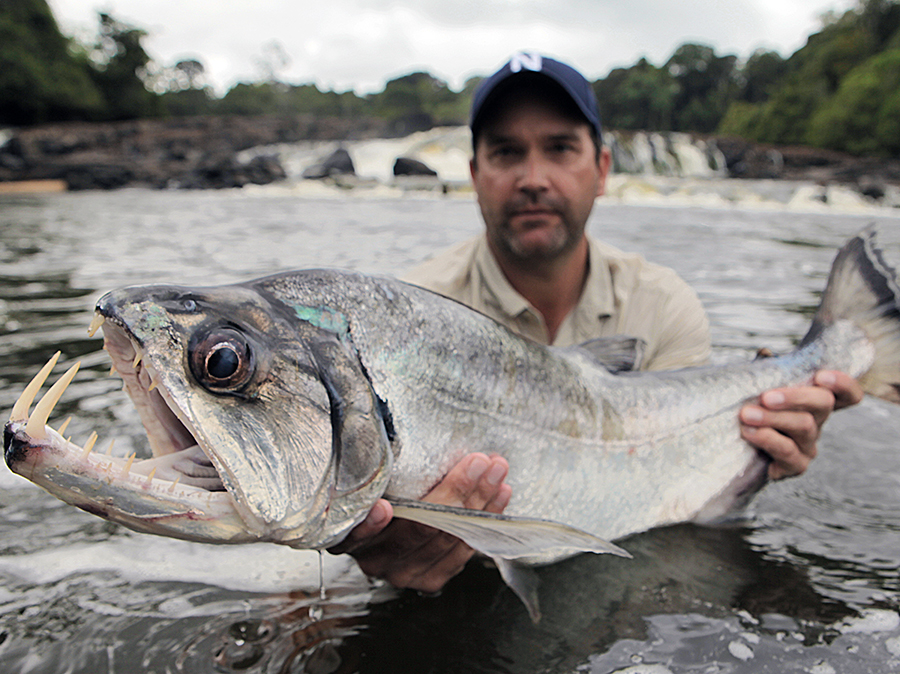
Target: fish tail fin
column 863, row 289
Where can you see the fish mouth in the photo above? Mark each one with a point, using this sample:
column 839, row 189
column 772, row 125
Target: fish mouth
column 177, row 455
column 178, row 492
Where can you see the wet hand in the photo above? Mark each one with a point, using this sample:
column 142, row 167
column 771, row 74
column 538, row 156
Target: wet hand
column 786, row 423
column 412, row 555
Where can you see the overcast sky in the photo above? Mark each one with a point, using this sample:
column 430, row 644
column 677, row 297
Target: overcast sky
column 360, row 44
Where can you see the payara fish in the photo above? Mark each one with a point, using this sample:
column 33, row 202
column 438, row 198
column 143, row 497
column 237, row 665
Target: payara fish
column 281, row 409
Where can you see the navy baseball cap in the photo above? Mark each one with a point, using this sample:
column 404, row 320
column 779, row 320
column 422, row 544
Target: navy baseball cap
column 571, row 81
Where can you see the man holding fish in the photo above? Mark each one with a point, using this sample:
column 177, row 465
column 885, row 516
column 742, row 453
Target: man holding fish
column 538, row 165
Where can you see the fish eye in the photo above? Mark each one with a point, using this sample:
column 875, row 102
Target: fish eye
column 221, row 360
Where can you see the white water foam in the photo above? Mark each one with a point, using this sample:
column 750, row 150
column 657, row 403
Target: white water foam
column 671, row 171
column 259, row 567
column 871, row 621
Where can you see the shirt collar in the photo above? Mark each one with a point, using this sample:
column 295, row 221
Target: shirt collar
column 508, row 298
column 597, row 296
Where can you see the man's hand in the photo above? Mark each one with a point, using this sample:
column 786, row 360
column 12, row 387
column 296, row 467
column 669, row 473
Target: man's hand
column 412, row 555
column 786, row 423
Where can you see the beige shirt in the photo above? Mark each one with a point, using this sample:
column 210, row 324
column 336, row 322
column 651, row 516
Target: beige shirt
column 623, row 295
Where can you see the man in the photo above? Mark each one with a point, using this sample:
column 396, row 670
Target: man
column 538, row 165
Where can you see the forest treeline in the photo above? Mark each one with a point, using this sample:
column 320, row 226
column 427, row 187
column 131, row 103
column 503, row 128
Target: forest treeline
column 840, row 91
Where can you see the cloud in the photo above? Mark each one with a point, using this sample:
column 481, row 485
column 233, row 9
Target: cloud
column 359, row 44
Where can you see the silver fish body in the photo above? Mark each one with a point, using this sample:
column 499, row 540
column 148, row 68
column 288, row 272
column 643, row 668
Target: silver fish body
column 281, row 409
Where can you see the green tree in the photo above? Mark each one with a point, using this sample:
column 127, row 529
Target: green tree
column 741, row 119
column 256, row 98
column 882, row 19
column 183, row 89
column 279, row 98
column 309, row 99
column 812, row 90
column 189, row 102
column 784, row 118
column 639, row 97
column 759, row 76
column 41, row 78
column 707, row 84
column 863, row 117
column 120, row 70
column 416, row 101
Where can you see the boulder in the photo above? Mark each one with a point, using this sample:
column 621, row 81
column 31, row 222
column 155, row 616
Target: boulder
column 406, row 166
column 872, row 187
column 338, row 163
column 226, row 170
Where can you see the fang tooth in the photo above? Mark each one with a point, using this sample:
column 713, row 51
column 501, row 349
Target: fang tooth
column 20, row 409
column 112, row 369
column 65, row 425
column 126, row 471
column 89, row 445
column 152, row 386
column 38, row 419
column 109, row 449
column 96, row 322
column 137, row 360
column 150, row 476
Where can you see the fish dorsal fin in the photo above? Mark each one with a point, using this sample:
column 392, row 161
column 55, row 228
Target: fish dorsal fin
column 620, row 353
column 504, row 536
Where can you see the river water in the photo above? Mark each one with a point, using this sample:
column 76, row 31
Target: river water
column 806, row 581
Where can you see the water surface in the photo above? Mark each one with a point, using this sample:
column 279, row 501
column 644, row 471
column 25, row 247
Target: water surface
column 806, row 582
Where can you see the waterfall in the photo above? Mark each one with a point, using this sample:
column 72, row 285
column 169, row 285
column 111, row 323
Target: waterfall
column 447, row 151
column 668, row 154
column 647, row 167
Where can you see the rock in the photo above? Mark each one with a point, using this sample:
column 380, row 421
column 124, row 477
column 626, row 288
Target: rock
column 407, row 166
column 870, row 175
column 97, row 176
column 264, row 169
column 226, row 170
column 873, row 188
column 338, row 163
column 749, row 161
column 189, row 152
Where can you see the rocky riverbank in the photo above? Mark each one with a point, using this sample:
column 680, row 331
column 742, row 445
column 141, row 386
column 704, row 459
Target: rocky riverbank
column 191, row 152
column 206, row 152
column 870, row 176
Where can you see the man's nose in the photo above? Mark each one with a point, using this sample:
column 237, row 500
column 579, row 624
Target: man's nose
column 534, row 176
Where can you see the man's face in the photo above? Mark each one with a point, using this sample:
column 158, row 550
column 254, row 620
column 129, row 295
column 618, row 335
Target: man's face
column 536, row 173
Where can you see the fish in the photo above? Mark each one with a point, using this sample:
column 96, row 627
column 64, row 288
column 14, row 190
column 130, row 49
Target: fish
column 282, row 408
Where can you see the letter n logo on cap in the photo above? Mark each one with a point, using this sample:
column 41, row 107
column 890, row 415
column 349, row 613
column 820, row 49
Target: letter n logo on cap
column 525, row 61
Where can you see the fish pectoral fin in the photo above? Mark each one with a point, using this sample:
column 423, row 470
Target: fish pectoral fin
column 504, row 536
column 523, row 581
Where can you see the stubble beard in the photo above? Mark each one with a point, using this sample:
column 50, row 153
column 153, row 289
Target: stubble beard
column 515, row 246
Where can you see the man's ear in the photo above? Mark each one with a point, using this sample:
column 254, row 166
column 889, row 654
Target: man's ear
column 604, row 163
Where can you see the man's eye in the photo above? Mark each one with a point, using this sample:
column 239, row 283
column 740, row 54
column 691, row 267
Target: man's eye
column 561, row 148
column 504, row 151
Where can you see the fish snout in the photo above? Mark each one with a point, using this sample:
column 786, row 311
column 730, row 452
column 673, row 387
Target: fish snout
column 15, row 446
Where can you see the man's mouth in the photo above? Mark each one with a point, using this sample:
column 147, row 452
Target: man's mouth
column 536, row 216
